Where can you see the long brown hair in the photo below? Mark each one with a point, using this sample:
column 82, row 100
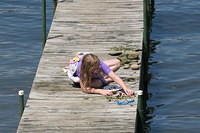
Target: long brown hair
column 90, row 64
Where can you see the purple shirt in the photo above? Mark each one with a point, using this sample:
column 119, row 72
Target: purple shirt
column 105, row 68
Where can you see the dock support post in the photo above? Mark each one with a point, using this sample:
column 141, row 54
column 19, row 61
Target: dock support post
column 141, row 106
column 43, row 23
column 21, row 102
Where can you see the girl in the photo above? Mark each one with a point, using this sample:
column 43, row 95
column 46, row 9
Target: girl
column 94, row 74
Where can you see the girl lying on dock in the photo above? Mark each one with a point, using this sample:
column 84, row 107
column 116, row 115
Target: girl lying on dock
column 92, row 74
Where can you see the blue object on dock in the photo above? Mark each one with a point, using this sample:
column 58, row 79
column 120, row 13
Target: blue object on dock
column 124, row 102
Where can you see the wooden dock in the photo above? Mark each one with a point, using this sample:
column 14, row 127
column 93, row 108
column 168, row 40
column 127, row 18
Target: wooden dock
column 54, row 106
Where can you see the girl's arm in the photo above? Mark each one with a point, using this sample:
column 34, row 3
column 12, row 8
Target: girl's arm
column 91, row 90
column 119, row 81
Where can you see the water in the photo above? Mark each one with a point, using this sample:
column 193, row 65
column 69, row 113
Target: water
column 173, row 104
column 20, row 48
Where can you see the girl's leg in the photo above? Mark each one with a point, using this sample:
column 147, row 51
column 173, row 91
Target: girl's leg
column 114, row 65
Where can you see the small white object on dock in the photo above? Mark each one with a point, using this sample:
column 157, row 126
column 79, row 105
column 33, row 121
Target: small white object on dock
column 139, row 92
column 21, row 93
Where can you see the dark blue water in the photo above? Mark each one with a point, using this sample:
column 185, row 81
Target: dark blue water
column 174, row 88
column 20, row 48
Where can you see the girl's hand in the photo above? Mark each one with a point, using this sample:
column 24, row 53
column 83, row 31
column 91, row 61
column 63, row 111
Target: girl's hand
column 129, row 92
column 106, row 92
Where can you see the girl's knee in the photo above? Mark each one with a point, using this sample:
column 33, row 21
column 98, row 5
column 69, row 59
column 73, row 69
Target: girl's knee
column 118, row 62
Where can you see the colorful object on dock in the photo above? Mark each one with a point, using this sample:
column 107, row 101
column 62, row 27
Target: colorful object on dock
column 124, row 102
column 119, row 97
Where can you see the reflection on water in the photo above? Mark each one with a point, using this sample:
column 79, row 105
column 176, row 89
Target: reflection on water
column 173, row 103
column 20, row 47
